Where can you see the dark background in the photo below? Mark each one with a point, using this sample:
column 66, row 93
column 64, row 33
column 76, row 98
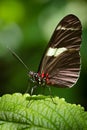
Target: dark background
column 26, row 27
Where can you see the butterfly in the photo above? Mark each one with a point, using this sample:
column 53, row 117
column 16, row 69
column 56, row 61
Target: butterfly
column 60, row 63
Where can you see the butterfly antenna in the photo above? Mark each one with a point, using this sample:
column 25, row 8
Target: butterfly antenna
column 18, row 58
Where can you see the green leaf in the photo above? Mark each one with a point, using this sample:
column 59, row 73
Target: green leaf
column 25, row 112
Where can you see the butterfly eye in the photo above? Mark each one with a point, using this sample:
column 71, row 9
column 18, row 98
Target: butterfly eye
column 31, row 73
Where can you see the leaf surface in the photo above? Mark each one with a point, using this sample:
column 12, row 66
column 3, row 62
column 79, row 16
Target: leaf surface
column 25, row 112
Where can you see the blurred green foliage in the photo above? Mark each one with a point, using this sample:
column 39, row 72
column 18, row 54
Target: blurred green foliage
column 26, row 27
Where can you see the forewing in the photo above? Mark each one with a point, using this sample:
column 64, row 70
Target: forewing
column 61, row 59
column 67, row 33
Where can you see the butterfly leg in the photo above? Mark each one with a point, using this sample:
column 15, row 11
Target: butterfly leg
column 28, row 87
column 33, row 88
column 51, row 95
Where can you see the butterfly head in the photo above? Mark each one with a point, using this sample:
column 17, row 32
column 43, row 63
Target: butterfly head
column 40, row 79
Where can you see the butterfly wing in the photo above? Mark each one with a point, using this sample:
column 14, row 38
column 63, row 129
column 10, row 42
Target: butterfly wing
column 61, row 59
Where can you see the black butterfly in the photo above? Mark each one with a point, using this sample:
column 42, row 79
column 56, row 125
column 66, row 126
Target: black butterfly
column 60, row 64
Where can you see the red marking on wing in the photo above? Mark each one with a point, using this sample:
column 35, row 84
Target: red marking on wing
column 42, row 75
column 47, row 78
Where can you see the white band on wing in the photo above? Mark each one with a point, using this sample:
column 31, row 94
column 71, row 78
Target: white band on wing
column 55, row 51
column 66, row 28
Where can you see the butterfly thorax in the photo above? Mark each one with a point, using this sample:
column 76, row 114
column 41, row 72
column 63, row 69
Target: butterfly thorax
column 38, row 78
